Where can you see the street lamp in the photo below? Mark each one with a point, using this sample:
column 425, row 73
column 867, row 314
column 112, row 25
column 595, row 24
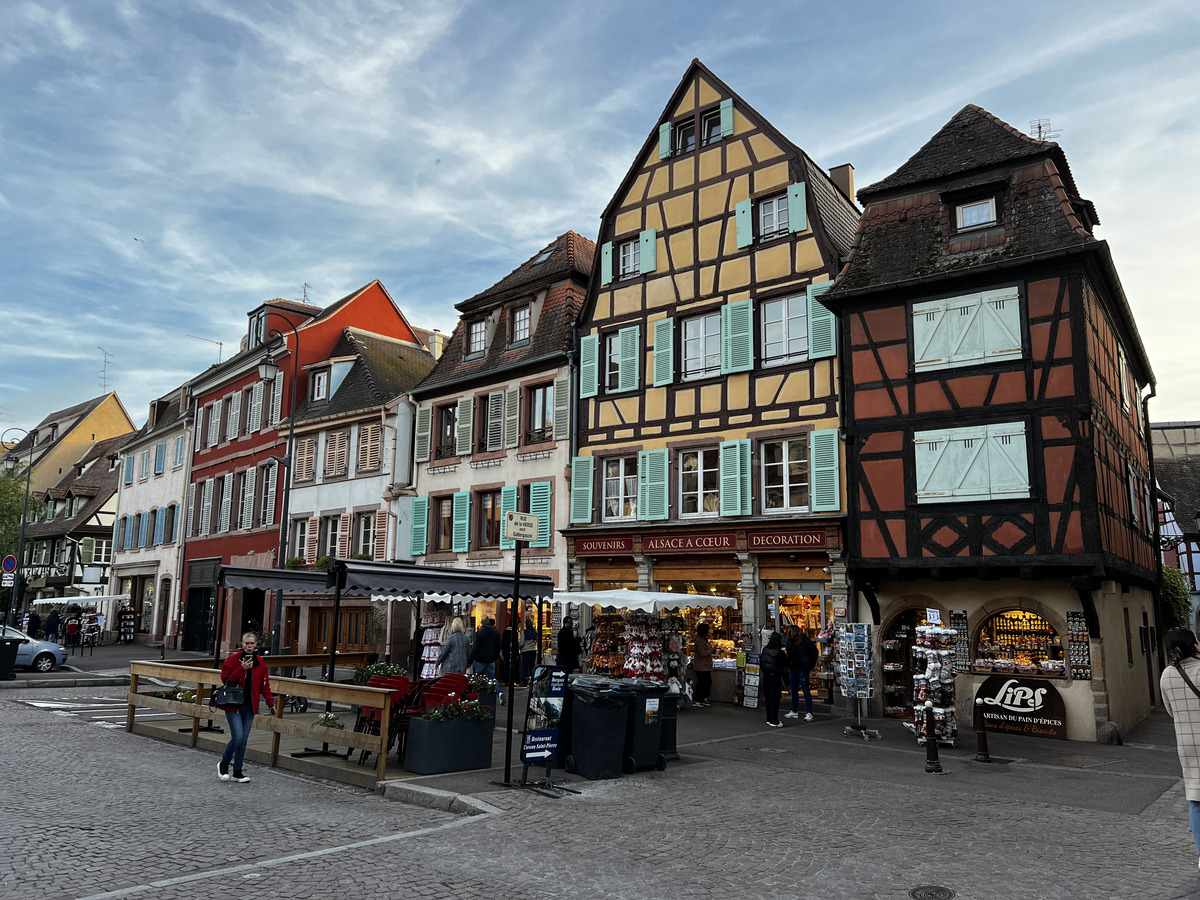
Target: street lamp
column 268, row 369
column 17, row 593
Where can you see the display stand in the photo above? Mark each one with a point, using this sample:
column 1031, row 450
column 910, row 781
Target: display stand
column 856, row 673
column 934, row 666
column 433, row 623
column 125, row 625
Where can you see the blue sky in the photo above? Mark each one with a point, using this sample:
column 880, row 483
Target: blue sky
column 166, row 166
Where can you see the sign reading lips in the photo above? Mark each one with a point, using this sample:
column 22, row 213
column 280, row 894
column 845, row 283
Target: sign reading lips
column 1029, row 706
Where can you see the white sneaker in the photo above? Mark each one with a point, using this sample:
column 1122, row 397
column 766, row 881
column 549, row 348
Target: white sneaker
column 241, row 777
column 808, row 717
column 791, row 715
column 775, row 724
column 223, row 771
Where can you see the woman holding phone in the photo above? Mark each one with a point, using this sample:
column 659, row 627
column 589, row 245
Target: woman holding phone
column 249, row 670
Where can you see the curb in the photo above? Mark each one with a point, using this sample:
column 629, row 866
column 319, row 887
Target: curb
column 432, row 798
column 93, row 681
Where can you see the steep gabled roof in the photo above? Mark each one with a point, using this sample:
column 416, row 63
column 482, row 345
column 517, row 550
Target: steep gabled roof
column 98, row 481
column 1180, row 477
column 568, row 254
column 307, row 309
column 63, row 417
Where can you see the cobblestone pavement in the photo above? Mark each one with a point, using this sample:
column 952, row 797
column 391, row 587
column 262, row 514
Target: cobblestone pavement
column 94, row 812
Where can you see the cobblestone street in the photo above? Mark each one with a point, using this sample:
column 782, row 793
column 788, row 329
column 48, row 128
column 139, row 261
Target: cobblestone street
column 94, row 812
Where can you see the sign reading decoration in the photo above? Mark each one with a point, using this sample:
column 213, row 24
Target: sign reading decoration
column 1029, row 706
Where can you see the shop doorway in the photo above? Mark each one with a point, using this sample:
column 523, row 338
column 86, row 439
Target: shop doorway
column 164, row 599
column 253, row 604
column 808, row 606
column 197, row 624
column 291, row 630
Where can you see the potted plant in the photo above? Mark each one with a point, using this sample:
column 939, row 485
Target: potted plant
column 483, row 689
column 453, row 737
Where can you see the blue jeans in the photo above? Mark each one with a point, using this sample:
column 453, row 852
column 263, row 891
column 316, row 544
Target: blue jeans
column 488, row 669
column 240, row 720
column 800, row 683
column 1194, row 815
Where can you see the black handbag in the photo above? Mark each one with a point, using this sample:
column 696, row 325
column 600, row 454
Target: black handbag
column 227, row 697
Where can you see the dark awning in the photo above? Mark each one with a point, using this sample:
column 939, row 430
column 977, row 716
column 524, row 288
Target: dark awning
column 294, row 581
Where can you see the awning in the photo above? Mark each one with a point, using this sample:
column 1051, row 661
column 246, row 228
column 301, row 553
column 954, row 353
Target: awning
column 647, row 601
column 82, row 599
column 294, row 581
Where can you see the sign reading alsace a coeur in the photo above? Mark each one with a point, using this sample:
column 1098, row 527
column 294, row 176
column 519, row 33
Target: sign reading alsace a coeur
column 1028, row 706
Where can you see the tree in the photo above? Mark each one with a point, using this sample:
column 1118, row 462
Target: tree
column 12, row 496
column 1176, row 601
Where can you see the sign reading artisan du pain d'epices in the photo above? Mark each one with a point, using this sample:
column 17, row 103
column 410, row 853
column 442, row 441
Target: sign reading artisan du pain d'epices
column 1028, row 706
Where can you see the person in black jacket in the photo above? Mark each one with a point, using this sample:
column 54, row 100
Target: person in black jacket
column 802, row 657
column 772, row 667
column 568, row 647
column 486, row 650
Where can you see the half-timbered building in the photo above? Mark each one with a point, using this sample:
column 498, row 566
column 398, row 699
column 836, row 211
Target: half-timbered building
column 999, row 468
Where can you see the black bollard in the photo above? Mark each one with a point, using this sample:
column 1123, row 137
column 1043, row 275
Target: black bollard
column 932, row 764
column 981, row 747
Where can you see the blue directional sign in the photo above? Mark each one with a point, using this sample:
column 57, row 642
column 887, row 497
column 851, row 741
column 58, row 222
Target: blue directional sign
column 544, row 715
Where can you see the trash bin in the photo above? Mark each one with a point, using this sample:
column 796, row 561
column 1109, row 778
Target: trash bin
column 8, row 657
column 643, row 738
column 599, row 710
column 669, row 713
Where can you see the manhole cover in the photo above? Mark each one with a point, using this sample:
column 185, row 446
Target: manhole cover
column 932, row 892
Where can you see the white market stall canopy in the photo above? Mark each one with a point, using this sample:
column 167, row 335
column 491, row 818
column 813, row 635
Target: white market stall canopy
column 647, row 601
column 81, row 600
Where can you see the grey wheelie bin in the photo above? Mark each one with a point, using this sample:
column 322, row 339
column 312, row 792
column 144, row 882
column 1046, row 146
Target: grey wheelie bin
column 599, row 710
column 643, row 737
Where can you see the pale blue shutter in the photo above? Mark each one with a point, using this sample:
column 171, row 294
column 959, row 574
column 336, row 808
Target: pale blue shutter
column 824, row 457
column 648, row 249
column 606, row 262
column 128, row 532
column 744, row 224
column 937, row 464
column 589, row 366
column 87, row 551
column 664, row 351
column 540, row 494
column 420, row 526
column 160, row 458
column 664, row 140
column 175, row 522
column 144, row 530
column 734, row 457
column 737, row 336
column 462, row 522
column 508, row 503
column 424, row 427
column 160, row 525
column 930, row 335
column 822, row 324
column 652, row 485
column 1001, row 314
column 727, row 117
column 582, row 469
column 1008, row 461
column 797, row 207
column 630, row 341
column 129, row 469
column 562, row 407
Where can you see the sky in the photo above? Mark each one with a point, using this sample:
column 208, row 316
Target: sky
column 168, row 165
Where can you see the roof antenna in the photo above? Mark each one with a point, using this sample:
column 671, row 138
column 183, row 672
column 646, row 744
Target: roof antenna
column 220, row 344
column 103, row 373
column 304, row 290
column 1040, row 129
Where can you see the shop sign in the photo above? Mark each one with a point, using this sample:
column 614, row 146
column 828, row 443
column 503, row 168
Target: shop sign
column 689, row 543
column 606, row 545
column 543, row 715
column 1027, row 706
column 786, row 541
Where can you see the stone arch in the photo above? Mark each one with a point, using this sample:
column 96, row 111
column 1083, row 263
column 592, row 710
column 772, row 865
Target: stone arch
column 989, row 608
column 904, row 603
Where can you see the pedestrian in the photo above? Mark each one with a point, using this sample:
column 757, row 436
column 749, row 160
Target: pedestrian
column 486, row 650
column 52, row 626
column 568, row 647
column 529, row 647
column 802, row 657
column 247, row 668
column 453, row 658
column 510, row 643
column 702, row 665
column 1181, row 697
column 35, row 624
column 772, row 667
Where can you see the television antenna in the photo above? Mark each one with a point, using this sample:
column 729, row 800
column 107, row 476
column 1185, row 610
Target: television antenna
column 1041, row 129
column 220, row 344
column 103, row 373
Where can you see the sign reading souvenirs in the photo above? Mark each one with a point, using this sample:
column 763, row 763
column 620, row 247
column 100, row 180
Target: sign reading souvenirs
column 543, row 715
column 1028, row 706
column 689, row 543
column 585, row 546
column 765, row 541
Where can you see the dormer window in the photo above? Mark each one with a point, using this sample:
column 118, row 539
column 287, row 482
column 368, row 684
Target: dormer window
column 976, row 214
column 476, row 338
column 320, row 385
column 542, row 257
column 258, row 328
column 520, row 325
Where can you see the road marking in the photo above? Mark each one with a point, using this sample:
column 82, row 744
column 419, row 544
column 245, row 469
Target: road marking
column 282, row 860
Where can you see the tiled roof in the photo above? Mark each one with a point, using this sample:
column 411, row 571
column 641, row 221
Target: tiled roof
column 295, row 306
column 69, row 416
column 837, row 214
column 570, row 253
column 168, row 414
column 1180, row 478
column 98, row 481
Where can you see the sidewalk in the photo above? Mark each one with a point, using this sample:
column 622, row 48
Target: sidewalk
column 104, row 665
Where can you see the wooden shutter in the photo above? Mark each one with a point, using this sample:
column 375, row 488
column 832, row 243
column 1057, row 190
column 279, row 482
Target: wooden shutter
column 562, row 407
column 664, row 140
column 652, row 485
column 424, row 433
column 311, row 538
column 160, row 525
column 495, row 421
column 825, row 468
column 629, row 343
column 198, row 430
column 345, row 533
column 797, row 207
column 214, row 425
column 462, row 440
column 965, row 333
column 206, row 499
column 541, row 495
column 254, row 415
column 744, row 223
column 271, row 473
column 87, row 551
column 930, row 331
column 160, row 458
column 606, row 262
column 306, row 459
column 937, row 464
column 379, row 550
column 1008, row 460
column 822, row 324
column 737, row 336
column 734, row 458
column 174, row 523
column 970, row 446
column 248, row 498
column 277, row 402
column 420, row 526
column 226, row 501
column 129, row 464
column 648, row 251
column 337, row 445
column 582, row 469
column 589, row 366
column 462, row 522
column 727, row 117
column 1000, row 312
column 144, row 530
column 664, row 352
column 191, row 509
column 512, row 416
column 508, row 503
column 235, row 417
column 129, row 523
column 370, row 447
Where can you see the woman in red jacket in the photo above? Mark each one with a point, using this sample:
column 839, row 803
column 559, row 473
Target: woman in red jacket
column 246, row 668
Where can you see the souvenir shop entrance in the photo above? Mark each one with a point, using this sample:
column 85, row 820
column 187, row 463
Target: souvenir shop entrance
column 809, row 606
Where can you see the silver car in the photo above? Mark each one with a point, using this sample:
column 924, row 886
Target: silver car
column 41, row 656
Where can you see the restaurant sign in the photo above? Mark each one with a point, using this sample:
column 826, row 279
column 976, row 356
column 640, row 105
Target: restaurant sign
column 1029, row 706
column 786, row 541
column 599, row 546
column 689, row 543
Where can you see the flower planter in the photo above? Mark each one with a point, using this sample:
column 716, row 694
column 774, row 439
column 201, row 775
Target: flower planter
column 454, row 745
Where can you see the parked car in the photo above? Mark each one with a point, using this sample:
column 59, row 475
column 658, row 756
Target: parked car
column 41, row 656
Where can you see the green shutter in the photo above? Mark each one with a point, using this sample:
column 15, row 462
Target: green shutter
column 735, row 477
column 606, row 267
column 652, row 485
column 540, row 494
column 727, row 117
column 582, row 468
column 630, row 345
column 797, row 207
column 822, row 324
column 648, row 250
column 745, row 225
column 424, row 424
column 737, row 336
column 562, row 407
column 664, row 140
column 589, row 366
column 462, row 522
column 420, row 526
column 87, row 551
column 664, row 351
column 464, row 424
column 823, row 456
column 508, row 503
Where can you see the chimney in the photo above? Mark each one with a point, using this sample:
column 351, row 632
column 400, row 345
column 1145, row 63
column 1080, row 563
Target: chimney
column 843, row 177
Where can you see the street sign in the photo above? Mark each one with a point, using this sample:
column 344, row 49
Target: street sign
column 543, row 716
column 8, row 579
column 9, row 565
column 519, row 526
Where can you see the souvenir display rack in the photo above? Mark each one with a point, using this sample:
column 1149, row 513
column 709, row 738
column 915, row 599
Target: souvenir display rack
column 897, row 662
column 1019, row 642
column 1079, row 646
column 125, row 625
column 962, row 641
column 433, row 624
column 855, row 660
column 933, row 679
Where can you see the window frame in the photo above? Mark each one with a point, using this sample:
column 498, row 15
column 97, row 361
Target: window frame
column 685, row 127
column 442, row 514
column 520, row 320
column 363, row 535
column 612, row 362
column 686, row 373
column 488, row 522
column 712, row 115
column 476, row 338
column 628, row 481
column 629, row 258
column 787, row 317
column 782, row 227
column 298, row 538
column 319, row 388
column 447, row 431
column 963, row 205
column 784, row 466
column 330, row 534
column 700, row 493
column 539, row 395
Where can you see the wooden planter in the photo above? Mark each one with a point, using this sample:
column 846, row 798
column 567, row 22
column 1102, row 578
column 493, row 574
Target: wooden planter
column 454, row 745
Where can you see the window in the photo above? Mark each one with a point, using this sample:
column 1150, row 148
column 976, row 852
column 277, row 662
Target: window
column 299, row 546
column 629, row 260
column 540, row 404
column 487, row 530
column 620, row 487
column 702, row 346
column 306, row 459
column 477, row 338
column 244, row 413
column 102, row 552
column 180, row 448
column 489, row 419
column 443, row 515
column 258, row 328
column 542, row 257
column 320, row 385
column 447, row 418
column 337, row 453
column 977, row 214
column 699, row 482
column 710, row 127
column 785, row 477
column 772, row 216
column 364, row 534
column 685, row 136
column 160, row 458
column 785, row 330
column 145, row 473
column 967, row 330
column 329, row 535
column 170, row 524
column 612, row 362
column 370, row 448
column 520, row 325
column 983, row 462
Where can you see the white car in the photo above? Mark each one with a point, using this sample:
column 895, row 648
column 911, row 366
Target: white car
column 41, row 656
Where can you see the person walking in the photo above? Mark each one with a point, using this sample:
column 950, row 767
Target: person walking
column 529, row 647
column 772, row 667
column 702, row 665
column 802, row 657
column 244, row 667
column 486, row 649
column 35, row 625
column 453, row 658
column 568, row 647
column 52, row 626
column 1181, row 697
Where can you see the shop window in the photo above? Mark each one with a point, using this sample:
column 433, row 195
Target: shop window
column 620, row 487
column 1019, row 642
column 785, row 474
column 699, row 482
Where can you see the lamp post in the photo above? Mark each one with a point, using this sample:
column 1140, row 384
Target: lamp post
column 17, row 593
column 269, row 369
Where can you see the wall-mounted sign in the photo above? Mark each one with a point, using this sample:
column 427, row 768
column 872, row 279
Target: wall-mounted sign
column 1028, row 706
column 689, row 543
column 586, row 546
column 785, row 541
